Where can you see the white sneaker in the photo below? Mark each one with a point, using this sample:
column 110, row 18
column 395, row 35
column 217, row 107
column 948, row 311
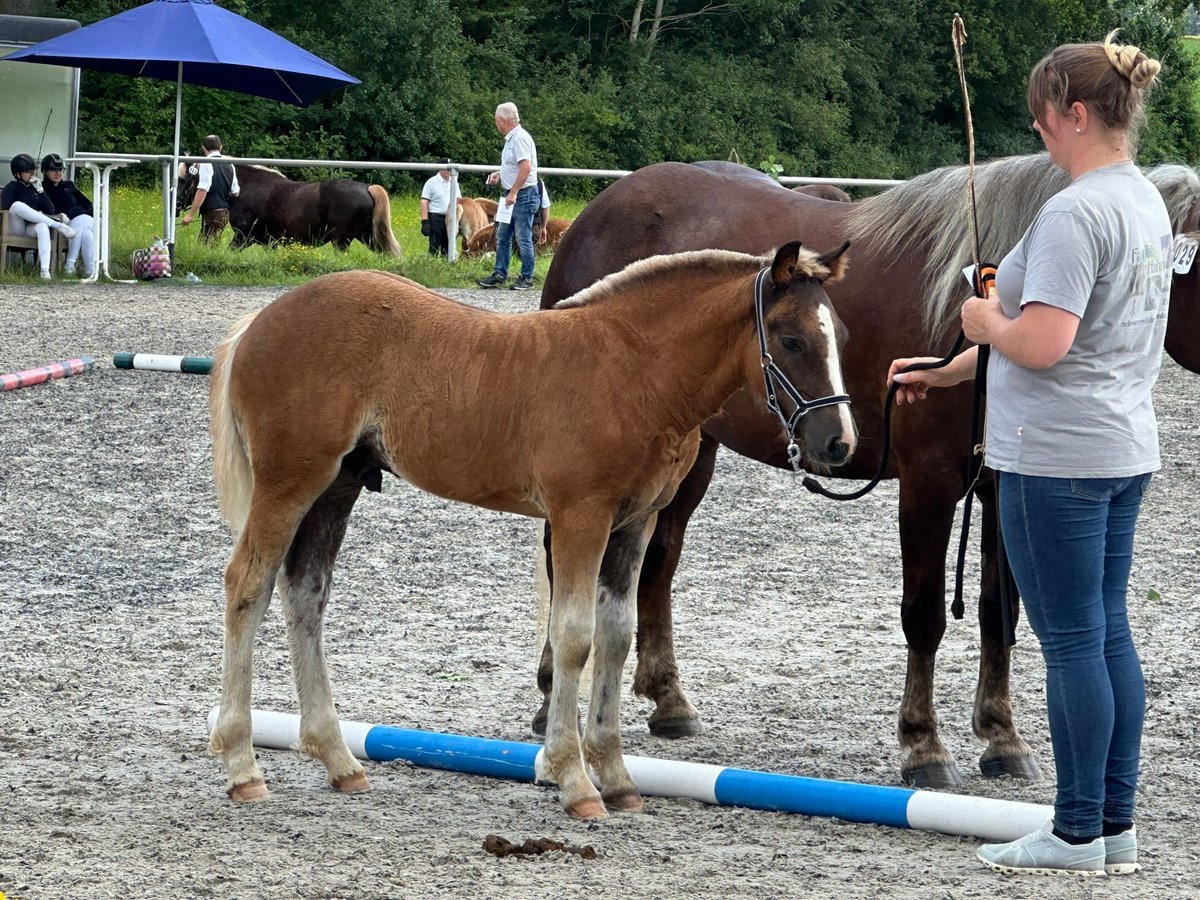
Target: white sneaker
column 69, row 267
column 1042, row 853
column 67, row 231
column 45, row 276
column 1121, row 853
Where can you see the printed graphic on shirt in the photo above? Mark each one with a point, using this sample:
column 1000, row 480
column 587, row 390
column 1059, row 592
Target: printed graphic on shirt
column 1150, row 290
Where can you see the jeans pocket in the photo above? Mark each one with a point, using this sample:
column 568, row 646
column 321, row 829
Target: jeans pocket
column 1098, row 489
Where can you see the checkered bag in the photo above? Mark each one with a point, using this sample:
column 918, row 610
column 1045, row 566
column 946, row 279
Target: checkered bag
column 152, row 262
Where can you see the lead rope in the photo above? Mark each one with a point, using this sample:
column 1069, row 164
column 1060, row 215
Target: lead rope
column 984, row 278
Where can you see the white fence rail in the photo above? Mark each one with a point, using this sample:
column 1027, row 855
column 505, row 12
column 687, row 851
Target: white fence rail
column 103, row 164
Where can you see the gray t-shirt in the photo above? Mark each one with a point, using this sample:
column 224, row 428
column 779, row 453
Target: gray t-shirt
column 1101, row 249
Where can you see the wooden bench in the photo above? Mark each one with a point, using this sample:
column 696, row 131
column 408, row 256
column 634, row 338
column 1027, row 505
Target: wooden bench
column 11, row 242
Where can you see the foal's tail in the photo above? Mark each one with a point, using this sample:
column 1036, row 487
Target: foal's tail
column 382, row 238
column 231, row 461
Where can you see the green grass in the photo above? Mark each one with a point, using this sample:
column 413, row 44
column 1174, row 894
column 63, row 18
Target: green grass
column 137, row 222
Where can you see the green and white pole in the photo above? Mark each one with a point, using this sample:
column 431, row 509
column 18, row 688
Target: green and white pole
column 190, row 365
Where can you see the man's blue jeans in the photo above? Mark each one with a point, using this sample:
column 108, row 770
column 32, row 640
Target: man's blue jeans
column 1070, row 545
column 522, row 223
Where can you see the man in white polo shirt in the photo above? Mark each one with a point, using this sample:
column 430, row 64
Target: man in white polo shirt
column 435, row 203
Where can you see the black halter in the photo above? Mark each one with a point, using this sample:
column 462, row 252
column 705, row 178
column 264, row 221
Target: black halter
column 776, row 380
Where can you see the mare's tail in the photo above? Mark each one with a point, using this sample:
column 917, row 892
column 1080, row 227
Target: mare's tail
column 382, row 238
column 231, row 460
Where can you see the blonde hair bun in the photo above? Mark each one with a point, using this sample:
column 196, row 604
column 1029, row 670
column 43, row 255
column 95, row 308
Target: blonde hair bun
column 1131, row 62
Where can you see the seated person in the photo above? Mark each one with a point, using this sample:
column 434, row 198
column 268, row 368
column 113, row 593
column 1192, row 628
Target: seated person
column 30, row 211
column 69, row 200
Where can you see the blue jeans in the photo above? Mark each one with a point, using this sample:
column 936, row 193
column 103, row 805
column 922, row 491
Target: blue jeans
column 1070, row 545
column 522, row 223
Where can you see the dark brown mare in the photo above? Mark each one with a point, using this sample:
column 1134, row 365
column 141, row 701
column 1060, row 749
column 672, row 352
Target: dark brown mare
column 587, row 416
column 899, row 298
column 271, row 208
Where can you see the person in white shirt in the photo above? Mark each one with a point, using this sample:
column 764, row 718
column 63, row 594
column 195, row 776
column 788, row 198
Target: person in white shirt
column 435, row 203
column 217, row 187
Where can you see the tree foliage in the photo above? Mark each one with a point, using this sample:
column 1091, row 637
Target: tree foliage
column 809, row 87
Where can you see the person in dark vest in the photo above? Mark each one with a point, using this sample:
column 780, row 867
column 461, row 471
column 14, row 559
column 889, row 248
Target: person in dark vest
column 217, row 187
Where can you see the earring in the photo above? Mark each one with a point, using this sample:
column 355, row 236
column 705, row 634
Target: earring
column 1079, row 131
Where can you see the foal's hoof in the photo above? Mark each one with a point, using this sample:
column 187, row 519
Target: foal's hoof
column 249, row 791
column 1023, row 767
column 675, row 726
column 933, row 777
column 627, row 801
column 588, row 808
column 354, row 783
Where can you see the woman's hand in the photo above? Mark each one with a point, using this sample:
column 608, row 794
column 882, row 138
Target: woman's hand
column 914, row 386
column 980, row 318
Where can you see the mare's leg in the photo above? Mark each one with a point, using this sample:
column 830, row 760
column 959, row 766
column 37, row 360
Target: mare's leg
column 1006, row 753
column 613, row 636
column 657, row 674
column 304, row 589
column 579, row 538
column 260, row 552
column 926, row 518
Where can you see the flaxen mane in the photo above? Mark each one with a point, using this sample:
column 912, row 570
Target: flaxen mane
column 718, row 262
column 932, row 210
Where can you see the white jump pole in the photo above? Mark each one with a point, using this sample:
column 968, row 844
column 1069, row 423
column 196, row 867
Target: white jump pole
column 982, row 817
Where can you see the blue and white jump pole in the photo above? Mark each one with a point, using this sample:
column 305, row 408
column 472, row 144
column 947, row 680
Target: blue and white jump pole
column 982, row 817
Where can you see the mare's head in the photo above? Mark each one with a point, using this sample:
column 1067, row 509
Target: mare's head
column 804, row 341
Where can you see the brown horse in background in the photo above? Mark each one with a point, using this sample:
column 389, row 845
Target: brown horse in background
column 587, row 416
column 272, row 208
column 474, row 214
column 484, row 240
column 900, row 298
column 823, row 192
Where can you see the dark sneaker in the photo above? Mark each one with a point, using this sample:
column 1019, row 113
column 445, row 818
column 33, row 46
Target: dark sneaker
column 1120, row 853
column 522, row 284
column 1042, row 853
column 492, row 281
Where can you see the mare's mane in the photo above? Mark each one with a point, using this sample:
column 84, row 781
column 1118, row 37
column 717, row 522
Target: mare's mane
column 714, row 262
column 931, row 211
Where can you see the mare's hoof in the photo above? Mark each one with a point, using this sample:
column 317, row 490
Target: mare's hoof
column 1023, row 767
column 628, row 801
column 675, row 727
column 249, row 791
column 539, row 723
column 588, row 808
column 354, row 783
column 933, row 777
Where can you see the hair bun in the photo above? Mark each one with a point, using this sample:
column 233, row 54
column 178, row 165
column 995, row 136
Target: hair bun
column 1131, row 62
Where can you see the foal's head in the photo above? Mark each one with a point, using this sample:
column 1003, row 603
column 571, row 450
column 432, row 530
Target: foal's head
column 805, row 338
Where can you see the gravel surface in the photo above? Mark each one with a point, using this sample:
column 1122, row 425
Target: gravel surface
column 111, row 554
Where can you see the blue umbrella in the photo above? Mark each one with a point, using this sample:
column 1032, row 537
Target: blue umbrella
column 197, row 42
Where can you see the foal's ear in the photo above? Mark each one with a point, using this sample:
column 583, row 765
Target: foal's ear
column 783, row 268
column 836, row 262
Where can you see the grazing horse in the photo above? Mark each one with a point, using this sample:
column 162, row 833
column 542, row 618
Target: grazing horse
column 271, row 207
column 474, row 214
column 587, row 415
column 900, row 298
column 484, row 239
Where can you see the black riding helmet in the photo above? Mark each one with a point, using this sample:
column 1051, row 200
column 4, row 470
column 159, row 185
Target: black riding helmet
column 52, row 161
column 22, row 162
